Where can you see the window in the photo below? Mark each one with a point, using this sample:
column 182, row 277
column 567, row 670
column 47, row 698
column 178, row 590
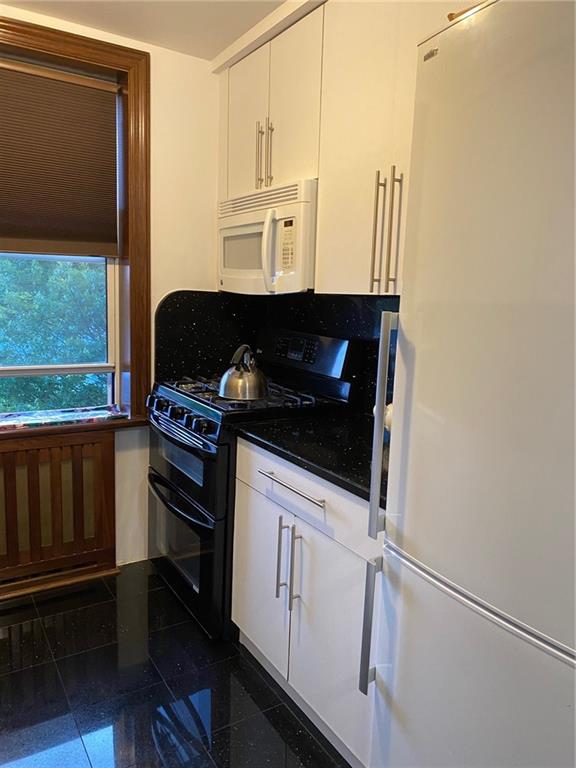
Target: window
column 58, row 338
column 75, row 170
column 59, row 165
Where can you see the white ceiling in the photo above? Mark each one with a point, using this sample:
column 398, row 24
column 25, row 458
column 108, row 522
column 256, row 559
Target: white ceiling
column 200, row 28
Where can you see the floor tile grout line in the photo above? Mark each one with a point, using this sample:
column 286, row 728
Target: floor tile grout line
column 103, row 645
column 108, row 588
column 171, row 692
column 70, row 710
column 79, row 608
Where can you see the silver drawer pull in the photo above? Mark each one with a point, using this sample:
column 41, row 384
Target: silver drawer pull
column 271, row 476
column 281, row 527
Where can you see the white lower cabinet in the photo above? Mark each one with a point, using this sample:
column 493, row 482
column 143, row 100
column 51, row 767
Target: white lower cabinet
column 262, row 617
column 325, row 636
column 316, row 645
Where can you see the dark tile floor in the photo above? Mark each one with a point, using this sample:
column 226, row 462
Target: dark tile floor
column 115, row 673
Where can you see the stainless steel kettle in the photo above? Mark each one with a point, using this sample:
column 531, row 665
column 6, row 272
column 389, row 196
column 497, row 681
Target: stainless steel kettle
column 243, row 381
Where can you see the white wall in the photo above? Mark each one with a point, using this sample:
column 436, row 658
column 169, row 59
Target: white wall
column 184, row 135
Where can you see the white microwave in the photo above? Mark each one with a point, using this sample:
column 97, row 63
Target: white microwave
column 266, row 240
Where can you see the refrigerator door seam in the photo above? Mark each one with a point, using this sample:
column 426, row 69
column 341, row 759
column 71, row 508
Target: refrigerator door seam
column 561, row 652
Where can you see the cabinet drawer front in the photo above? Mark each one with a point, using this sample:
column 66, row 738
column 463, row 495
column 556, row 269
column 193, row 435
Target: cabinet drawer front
column 334, row 511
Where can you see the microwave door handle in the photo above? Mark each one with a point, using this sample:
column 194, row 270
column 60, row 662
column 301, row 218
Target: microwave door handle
column 267, row 241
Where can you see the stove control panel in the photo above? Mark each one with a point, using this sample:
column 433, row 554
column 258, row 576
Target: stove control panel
column 297, row 348
column 322, row 355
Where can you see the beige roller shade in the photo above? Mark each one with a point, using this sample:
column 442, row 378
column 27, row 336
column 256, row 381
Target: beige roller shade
column 58, row 186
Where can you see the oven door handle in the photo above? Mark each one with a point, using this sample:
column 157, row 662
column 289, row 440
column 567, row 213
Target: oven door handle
column 179, row 437
column 155, row 481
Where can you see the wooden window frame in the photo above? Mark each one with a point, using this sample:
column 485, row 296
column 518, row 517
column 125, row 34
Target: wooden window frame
column 132, row 69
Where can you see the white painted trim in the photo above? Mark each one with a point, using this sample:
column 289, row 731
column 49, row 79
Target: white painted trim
column 269, row 27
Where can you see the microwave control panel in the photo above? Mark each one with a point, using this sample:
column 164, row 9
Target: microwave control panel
column 287, row 244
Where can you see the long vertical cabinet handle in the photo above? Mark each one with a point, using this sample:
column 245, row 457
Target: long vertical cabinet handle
column 377, row 187
column 368, row 673
column 268, row 153
column 291, row 595
column 259, row 135
column 376, row 518
column 389, row 235
column 281, row 527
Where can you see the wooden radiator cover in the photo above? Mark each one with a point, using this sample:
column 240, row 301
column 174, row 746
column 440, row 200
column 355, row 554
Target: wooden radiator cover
column 57, row 516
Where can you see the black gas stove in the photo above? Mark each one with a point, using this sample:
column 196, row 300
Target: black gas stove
column 193, row 457
column 194, row 407
column 305, row 371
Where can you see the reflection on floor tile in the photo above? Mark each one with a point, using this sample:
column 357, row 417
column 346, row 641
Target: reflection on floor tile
column 23, row 645
column 17, row 610
column 68, row 598
column 135, row 673
column 135, row 578
column 161, row 606
column 296, row 711
column 105, row 672
column 83, row 629
column 185, row 648
column 31, row 696
column 146, row 728
column 229, row 691
column 272, row 739
column 51, row 743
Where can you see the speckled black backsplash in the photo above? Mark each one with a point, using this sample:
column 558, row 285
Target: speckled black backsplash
column 198, row 331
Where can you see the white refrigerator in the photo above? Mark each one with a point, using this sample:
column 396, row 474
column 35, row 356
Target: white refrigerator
column 472, row 661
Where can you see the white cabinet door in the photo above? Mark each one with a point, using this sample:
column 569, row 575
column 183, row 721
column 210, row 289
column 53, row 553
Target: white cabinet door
column 414, row 22
column 295, row 74
column 462, row 691
column 368, row 89
column 261, row 616
column 247, row 106
column 326, row 636
column 356, row 130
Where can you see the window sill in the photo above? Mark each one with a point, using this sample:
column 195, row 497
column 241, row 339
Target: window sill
column 108, row 425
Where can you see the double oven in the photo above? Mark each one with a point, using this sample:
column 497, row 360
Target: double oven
column 189, row 530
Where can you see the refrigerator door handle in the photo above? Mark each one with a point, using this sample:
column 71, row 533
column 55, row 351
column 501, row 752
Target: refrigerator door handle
column 376, row 517
column 368, row 673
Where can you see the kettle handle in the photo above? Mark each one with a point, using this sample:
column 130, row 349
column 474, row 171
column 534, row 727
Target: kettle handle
column 239, row 355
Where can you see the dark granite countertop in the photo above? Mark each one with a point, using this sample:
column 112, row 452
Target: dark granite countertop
column 335, row 446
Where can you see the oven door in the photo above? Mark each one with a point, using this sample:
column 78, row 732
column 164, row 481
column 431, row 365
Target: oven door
column 193, row 542
column 193, row 465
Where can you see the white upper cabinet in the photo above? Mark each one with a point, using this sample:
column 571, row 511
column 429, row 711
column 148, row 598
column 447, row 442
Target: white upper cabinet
column 247, row 110
column 274, row 110
column 368, row 87
column 295, row 76
column 357, row 102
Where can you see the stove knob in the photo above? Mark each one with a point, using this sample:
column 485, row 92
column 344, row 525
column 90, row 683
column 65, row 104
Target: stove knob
column 176, row 412
column 202, row 426
column 151, row 401
column 188, row 419
column 161, row 404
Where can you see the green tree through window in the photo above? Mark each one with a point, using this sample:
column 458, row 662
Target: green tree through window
column 53, row 311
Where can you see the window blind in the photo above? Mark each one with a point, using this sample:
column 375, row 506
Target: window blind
column 58, row 167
